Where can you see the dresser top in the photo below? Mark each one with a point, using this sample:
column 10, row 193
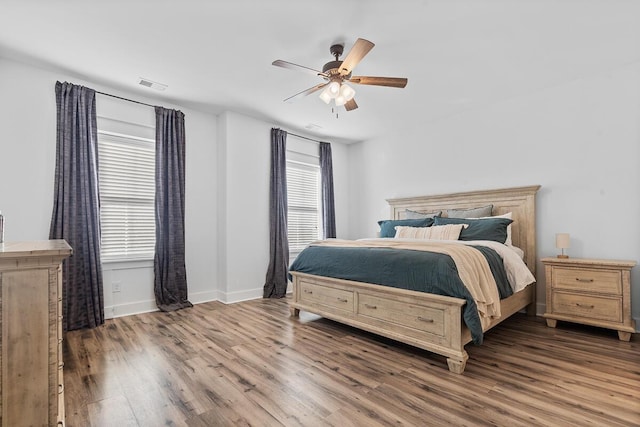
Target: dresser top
column 35, row 248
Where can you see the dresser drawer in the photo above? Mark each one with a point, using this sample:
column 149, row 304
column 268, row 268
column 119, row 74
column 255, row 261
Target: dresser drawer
column 586, row 306
column 592, row 280
column 311, row 293
column 404, row 315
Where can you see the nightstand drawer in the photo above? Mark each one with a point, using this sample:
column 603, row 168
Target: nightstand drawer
column 600, row 281
column 590, row 307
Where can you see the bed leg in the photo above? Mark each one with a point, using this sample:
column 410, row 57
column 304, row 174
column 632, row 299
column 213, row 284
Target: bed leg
column 295, row 312
column 531, row 310
column 457, row 366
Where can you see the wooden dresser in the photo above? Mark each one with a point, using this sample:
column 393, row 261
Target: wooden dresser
column 590, row 291
column 31, row 382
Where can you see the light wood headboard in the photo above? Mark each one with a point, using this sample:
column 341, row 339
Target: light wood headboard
column 521, row 201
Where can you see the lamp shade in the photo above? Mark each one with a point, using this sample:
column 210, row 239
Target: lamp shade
column 562, row 240
column 325, row 96
column 347, row 92
column 334, row 89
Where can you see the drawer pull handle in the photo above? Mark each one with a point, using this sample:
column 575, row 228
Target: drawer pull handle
column 584, row 280
column 373, row 307
column 307, row 291
column 60, row 388
column 422, row 319
column 584, row 305
column 342, row 299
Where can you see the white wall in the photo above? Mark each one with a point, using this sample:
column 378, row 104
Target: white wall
column 244, row 231
column 227, row 188
column 580, row 140
column 244, row 155
column 27, row 163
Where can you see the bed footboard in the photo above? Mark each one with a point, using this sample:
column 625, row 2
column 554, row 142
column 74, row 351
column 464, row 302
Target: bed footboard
column 427, row 321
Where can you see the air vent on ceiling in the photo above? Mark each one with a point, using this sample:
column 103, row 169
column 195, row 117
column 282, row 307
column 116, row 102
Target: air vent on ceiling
column 152, row 84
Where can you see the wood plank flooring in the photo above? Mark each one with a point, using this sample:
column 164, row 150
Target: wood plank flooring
column 251, row 364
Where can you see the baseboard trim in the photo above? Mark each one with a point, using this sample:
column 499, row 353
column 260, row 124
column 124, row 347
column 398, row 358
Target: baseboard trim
column 238, row 296
column 138, row 307
column 147, row 306
column 540, row 309
column 205, row 296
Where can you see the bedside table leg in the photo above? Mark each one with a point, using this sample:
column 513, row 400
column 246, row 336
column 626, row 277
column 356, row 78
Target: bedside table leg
column 624, row 336
column 552, row 323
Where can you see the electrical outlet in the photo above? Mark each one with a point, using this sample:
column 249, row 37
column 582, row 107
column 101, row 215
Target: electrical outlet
column 115, row 286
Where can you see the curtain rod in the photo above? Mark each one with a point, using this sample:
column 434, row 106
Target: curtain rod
column 304, row 137
column 125, row 99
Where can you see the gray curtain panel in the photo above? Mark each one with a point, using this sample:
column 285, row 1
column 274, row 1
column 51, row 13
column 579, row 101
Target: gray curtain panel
column 170, row 273
column 328, row 204
column 76, row 206
column 276, row 281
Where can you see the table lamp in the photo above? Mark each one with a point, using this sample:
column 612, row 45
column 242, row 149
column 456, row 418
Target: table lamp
column 562, row 243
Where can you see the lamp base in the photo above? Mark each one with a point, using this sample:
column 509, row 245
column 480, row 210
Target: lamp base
column 563, row 256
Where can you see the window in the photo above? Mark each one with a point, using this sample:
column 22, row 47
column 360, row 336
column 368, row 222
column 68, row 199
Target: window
column 126, row 175
column 303, row 197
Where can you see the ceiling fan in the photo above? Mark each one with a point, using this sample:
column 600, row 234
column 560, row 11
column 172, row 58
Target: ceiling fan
column 337, row 73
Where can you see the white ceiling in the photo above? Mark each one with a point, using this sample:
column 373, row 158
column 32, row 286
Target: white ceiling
column 216, row 55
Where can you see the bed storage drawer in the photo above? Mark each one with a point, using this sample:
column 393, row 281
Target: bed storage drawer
column 314, row 294
column 401, row 314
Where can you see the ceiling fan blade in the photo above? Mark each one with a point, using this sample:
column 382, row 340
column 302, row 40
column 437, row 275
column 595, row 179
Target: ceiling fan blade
column 380, row 81
column 360, row 48
column 306, row 92
column 292, row 66
column 350, row 105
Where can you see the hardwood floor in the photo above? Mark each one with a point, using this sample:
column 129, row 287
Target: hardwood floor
column 251, row 364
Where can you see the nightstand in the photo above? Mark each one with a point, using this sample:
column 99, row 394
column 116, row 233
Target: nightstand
column 593, row 292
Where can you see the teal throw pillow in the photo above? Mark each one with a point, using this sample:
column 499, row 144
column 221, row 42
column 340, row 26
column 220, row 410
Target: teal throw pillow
column 388, row 226
column 480, row 229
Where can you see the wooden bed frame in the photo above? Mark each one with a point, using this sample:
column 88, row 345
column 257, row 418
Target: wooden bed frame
column 428, row 321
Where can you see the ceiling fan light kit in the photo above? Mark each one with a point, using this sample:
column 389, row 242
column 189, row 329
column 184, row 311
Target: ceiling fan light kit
column 339, row 92
column 337, row 73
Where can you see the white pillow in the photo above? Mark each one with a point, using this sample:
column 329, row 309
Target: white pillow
column 436, row 232
column 508, row 215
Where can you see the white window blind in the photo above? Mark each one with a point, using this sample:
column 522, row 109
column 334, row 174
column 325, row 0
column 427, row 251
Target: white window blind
column 126, row 167
column 303, row 198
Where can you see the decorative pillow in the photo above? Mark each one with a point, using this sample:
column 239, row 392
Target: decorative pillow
column 388, row 226
column 478, row 212
column 437, row 232
column 508, row 215
column 479, row 229
column 409, row 214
